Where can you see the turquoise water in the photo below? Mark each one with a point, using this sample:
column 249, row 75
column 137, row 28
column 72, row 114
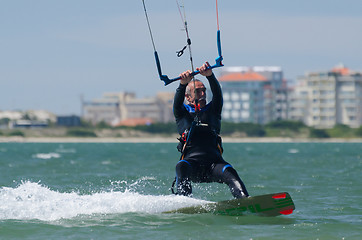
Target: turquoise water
column 119, row 191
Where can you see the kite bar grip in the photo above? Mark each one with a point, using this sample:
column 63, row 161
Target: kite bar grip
column 218, row 42
column 158, row 63
column 164, row 78
column 194, row 73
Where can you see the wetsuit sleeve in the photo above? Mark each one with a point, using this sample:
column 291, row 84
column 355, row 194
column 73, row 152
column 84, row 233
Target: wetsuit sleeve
column 178, row 108
column 217, row 100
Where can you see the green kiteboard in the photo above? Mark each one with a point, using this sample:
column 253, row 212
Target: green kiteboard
column 265, row 205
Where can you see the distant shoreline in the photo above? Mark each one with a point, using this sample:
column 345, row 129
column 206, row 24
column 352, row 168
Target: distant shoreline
column 158, row 139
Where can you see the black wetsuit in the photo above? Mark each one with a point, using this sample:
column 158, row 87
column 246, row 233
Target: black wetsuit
column 202, row 159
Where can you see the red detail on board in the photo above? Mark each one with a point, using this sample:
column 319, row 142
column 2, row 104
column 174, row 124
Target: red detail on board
column 280, row 196
column 286, row 212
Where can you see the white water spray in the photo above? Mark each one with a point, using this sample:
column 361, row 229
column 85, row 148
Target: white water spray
column 33, row 201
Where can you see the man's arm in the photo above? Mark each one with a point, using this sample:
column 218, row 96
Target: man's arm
column 178, row 107
column 217, row 100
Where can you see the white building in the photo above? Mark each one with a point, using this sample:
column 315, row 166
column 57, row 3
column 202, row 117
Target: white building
column 114, row 108
column 324, row 99
column 110, row 108
column 30, row 118
column 254, row 94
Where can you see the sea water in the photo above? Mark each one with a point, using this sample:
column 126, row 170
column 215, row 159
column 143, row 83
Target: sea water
column 120, row 191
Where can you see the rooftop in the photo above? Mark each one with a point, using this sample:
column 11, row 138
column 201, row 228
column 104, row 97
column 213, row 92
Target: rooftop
column 342, row 70
column 247, row 76
column 131, row 122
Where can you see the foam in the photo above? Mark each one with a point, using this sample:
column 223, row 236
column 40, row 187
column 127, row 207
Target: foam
column 34, row 201
column 46, row 155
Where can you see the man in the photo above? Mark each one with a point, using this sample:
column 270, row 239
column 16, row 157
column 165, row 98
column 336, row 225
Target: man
column 199, row 123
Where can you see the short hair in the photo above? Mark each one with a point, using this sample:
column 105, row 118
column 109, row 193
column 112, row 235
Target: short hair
column 188, row 90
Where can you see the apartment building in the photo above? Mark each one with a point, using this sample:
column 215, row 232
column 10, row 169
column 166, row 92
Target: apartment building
column 254, row 94
column 106, row 109
column 326, row 98
column 115, row 108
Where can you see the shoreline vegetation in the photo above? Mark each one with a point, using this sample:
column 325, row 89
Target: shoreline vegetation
column 278, row 131
column 170, row 140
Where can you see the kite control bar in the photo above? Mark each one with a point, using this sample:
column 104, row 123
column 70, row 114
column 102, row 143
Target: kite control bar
column 167, row 80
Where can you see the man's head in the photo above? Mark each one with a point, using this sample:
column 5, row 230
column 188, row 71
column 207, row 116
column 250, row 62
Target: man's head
column 199, row 94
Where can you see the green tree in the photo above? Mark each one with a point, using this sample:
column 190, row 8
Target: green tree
column 85, row 123
column 318, row 133
column 359, row 131
column 340, row 130
column 102, row 124
column 250, row 129
column 4, row 121
column 165, row 128
column 286, row 124
column 78, row 132
column 16, row 133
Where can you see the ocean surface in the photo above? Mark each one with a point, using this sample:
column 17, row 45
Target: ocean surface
column 119, row 191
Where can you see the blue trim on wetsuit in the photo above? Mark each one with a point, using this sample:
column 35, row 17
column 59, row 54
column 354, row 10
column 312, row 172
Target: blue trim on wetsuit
column 184, row 161
column 225, row 167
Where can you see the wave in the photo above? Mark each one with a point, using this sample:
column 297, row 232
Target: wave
column 46, row 155
column 34, row 201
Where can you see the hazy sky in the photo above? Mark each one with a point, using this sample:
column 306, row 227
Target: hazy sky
column 52, row 52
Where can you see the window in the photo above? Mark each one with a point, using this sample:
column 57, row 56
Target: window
column 245, row 96
column 226, row 96
column 235, row 114
column 226, row 114
column 347, row 101
column 235, row 96
column 245, row 114
column 228, row 105
column 246, row 105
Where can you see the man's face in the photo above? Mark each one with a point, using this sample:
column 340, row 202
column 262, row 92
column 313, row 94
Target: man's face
column 199, row 94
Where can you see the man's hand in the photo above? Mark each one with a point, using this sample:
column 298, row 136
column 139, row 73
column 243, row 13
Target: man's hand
column 185, row 77
column 204, row 71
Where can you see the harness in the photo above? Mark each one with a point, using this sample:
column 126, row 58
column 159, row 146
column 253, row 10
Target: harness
column 185, row 138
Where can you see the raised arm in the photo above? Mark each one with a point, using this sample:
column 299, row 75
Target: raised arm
column 178, row 107
column 217, row 100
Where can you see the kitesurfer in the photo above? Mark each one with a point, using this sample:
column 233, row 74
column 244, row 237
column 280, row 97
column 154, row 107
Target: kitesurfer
column 198, row 123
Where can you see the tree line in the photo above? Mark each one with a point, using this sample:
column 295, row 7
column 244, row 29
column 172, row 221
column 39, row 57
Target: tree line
column 283, row 128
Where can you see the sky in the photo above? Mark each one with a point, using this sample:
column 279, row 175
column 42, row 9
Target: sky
column 52, row 53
